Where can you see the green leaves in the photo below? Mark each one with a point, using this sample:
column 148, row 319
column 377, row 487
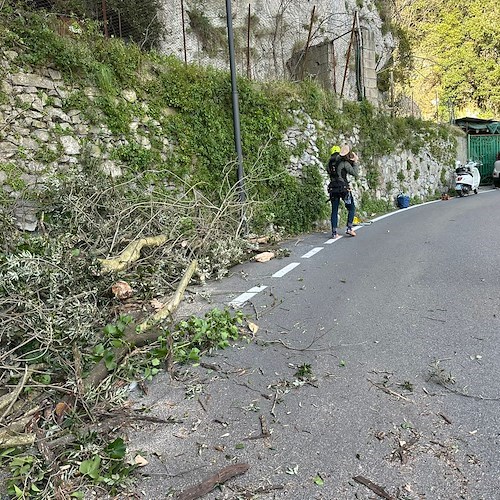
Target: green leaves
column 116, row 449
column 215, row 330
column 91, row 467
column 318, row 480
column 457, row 49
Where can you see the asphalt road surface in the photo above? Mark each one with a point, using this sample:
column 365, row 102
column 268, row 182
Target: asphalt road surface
column 396, row 333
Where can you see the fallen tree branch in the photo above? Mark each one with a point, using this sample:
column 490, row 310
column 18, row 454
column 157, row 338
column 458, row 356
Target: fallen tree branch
column 130, row 253
column 390, row 391
column 207, row 485
column 9, row 401
column 14, row 436
column 374, row 487
column 143, row 333
column 102, row 427
column 167, row 310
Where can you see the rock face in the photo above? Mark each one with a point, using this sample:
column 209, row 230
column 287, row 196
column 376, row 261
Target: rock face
column 277, row 30
column 40, row 139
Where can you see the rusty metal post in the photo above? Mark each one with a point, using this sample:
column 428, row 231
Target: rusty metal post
column 334, row 68
column 183, row 32
column 306, row 50
column 248, row 45
column 348, row 56
column 105, row 18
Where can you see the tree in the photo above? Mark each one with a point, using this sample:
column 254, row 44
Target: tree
column 458, row 49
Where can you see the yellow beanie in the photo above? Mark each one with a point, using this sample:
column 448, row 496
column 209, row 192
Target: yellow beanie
column 335, row 149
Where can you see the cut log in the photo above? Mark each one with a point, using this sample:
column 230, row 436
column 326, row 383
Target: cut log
column 210, row 483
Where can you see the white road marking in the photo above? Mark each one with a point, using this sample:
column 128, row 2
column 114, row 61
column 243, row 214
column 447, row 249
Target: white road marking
column 241, row 299
column 312, row 252
column 333, row 240
column 285, row 270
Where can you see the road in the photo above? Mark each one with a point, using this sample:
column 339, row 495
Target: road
column 399, row 329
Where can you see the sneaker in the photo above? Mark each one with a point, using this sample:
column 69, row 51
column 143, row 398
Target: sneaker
column 334, row 236
column 350, row 232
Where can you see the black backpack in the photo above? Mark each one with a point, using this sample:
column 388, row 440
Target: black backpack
column 338, row 186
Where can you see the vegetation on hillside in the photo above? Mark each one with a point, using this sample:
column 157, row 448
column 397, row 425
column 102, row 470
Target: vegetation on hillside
column 456, row 50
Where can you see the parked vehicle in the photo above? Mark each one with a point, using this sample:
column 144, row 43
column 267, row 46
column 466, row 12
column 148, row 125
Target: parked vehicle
column 467, row 178
column 496, row 172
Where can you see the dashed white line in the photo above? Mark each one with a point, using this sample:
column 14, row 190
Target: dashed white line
column 285, row 270
column 241, row 299
column 333, row 240
column 312, row 252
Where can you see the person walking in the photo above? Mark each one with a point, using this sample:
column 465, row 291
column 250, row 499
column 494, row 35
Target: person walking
column 339, row 167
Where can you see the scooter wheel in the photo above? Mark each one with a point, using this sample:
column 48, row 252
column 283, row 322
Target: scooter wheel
column 475, row 191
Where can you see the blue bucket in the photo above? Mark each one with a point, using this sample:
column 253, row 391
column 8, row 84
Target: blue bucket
column 403, row 201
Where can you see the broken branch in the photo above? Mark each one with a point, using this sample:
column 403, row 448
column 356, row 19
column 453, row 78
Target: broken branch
column 207, row 485
column 12, row 398
column 374, row 487
column 143, row 333
column 391, row 392
column 130, row 253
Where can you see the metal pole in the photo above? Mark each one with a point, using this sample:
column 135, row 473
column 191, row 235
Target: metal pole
column 306, row 50
column 236, row 110
column 334, row 64
column 348, row 56
column 248, row 44
column 361, row 58
column 391, row 75
column 105, row 19
column 183, row 32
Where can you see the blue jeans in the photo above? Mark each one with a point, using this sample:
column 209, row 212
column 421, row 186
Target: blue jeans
column 351, row 209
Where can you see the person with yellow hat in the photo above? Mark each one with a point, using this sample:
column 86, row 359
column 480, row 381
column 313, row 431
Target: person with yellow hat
column 341, row 164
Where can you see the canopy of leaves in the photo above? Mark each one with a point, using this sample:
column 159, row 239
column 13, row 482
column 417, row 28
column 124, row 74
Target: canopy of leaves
column 458, row 47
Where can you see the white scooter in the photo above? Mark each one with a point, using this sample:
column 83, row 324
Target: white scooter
column 467, row 178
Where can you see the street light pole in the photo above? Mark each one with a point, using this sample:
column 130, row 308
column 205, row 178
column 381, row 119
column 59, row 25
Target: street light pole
column 236, row 110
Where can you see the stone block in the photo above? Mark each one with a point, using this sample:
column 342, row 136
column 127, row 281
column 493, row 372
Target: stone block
column 31, row 80
column 70, row 145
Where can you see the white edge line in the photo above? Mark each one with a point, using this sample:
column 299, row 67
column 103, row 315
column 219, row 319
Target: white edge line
column 241, row 299
column 333, row 240
column 312, row 252
column 418, row 205
column 285, row 270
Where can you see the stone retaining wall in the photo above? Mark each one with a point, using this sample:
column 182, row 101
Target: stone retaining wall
column 40, row 137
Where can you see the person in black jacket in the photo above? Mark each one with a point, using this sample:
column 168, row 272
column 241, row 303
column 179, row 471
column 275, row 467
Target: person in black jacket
column 339, row 167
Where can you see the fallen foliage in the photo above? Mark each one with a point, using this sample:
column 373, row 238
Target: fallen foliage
column 78, row 325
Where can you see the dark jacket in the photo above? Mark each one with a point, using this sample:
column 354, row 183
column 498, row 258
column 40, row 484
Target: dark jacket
column 344, row 167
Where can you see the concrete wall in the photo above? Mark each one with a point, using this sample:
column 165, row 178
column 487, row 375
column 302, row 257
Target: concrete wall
column 321, row 63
